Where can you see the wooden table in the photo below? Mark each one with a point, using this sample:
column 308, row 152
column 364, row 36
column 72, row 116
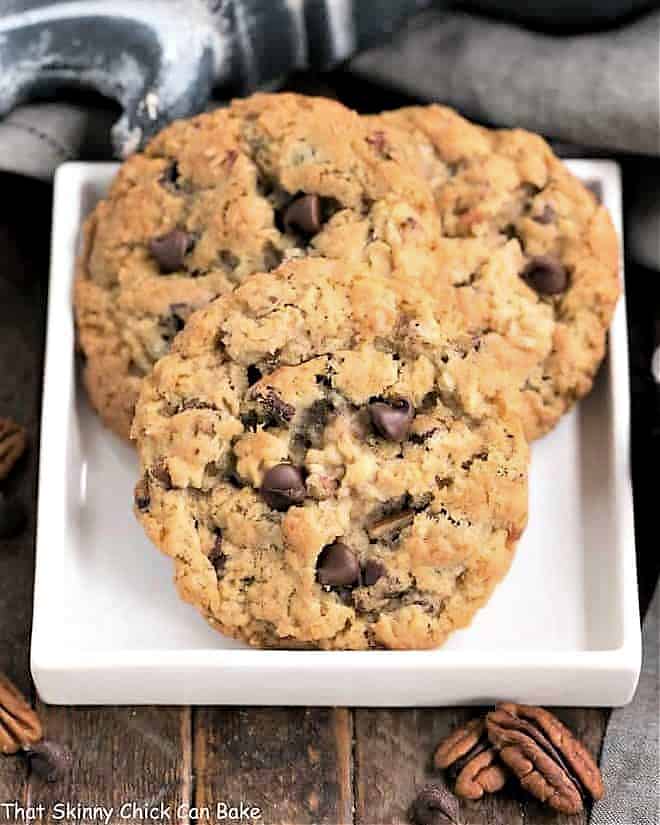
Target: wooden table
column 313, row 765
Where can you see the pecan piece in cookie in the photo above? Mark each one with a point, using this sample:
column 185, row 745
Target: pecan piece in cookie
column 471, row 760
column 19, row 723
column 550, row 763
column 390, row 524
column 12, row 445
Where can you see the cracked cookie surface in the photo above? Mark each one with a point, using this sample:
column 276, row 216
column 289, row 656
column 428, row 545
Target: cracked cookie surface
column 214, row 199
column 499, row 187
column 312, row 473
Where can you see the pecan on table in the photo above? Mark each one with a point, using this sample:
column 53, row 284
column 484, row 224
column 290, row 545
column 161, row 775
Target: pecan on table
column 12, row 445
column 471, row 761
column 19, row 723
column 550, row 763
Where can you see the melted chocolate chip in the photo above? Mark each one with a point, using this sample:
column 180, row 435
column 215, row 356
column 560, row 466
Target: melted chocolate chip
column 373, row 570
column 283, row 486
column 545, row 275
column 253, row 374
column 170, row 249
column 337, row 566
column 217, row 556
column 303, row 215
column 392, row 419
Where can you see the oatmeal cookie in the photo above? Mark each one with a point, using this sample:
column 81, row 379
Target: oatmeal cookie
column 213, row 200
column 311, row 472
column 494, row 187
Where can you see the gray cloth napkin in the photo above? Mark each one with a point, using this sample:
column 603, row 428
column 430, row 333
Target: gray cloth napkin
column 597, row 90
column 629, row 760
column 36, row 139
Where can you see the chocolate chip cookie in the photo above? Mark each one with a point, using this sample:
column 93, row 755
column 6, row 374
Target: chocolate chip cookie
column 311, row 471
column 213, row 200
column 548, row 316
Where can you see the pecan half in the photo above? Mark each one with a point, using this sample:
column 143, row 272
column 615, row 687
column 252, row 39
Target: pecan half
column 458, row 743
column 550, row 763
column 19, row 723
column 471, row 760
column 12, row 445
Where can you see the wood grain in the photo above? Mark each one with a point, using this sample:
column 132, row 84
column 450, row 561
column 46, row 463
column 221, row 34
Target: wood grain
column 22, row 313
column 393, row 761
column 293, row 763
column 121, row 754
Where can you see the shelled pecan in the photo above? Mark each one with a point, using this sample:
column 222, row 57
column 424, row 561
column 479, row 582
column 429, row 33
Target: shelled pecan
column 19, row 723
column 471, row 761
column 12, row 445
column 549, row 762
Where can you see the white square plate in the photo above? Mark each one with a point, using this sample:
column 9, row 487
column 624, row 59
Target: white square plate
column 563, row 628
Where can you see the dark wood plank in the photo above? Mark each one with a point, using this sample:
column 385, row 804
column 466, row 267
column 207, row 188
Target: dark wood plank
column 393, row 761
column 22, row 313
column 121, row 754
column 293, row 763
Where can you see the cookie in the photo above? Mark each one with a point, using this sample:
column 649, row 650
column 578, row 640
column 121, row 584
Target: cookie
column 213, row 200
column 311, row 472
column 496, row 187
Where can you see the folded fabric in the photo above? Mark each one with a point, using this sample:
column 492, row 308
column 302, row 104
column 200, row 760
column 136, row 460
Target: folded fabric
column 629, row 761
column 596, row 89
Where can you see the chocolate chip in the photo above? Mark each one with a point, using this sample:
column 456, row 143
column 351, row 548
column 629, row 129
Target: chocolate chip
column 435, row 805
column 142, row 497
column 303, row 215
column 13, row 517
column 545, row 275
column 49, row 760
column 283, row 485
column 217, row 557
column 337, row 566
column 170, row 249
column 545, row 217
column 392, row 418
column 253, row 374
column 171, row 175
column 373, row 570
